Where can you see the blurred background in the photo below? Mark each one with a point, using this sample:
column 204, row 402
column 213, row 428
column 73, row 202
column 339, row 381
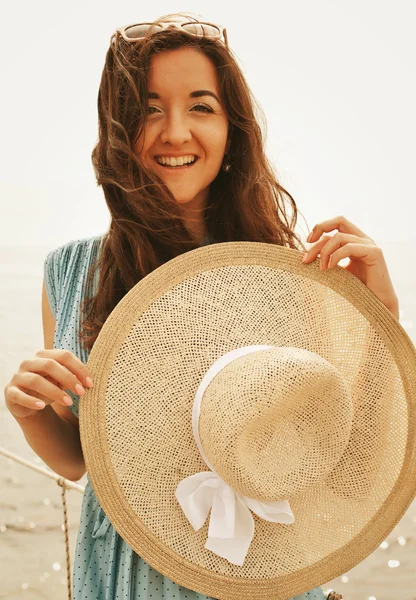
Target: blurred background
column 336, row 83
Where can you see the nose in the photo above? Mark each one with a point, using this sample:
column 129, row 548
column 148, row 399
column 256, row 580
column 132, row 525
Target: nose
column 175, row 130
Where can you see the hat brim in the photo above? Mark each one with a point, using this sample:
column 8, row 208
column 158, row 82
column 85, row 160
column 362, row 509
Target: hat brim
column 135, row 424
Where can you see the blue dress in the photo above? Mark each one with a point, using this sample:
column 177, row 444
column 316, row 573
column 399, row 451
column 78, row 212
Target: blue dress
column 105, row 567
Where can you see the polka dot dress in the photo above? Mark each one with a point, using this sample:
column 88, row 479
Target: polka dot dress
column 105, row 567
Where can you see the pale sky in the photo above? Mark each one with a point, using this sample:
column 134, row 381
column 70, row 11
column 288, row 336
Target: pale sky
column 336, row 81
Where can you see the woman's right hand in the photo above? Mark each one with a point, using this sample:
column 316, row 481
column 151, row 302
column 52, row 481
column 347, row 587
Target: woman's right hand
column 44, row 377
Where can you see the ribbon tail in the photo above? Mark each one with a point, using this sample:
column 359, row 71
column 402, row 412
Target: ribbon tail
column 231, row 527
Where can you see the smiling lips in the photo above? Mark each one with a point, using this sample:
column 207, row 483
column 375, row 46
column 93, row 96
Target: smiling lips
column 185, row 161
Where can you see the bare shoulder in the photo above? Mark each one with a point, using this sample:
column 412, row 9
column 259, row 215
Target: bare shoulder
column 48, row 320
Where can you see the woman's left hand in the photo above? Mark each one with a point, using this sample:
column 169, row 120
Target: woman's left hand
column 366, row 258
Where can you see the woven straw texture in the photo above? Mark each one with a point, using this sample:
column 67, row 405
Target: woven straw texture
column 348, row 468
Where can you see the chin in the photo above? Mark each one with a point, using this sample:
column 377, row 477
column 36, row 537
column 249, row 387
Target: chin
column 184, row 197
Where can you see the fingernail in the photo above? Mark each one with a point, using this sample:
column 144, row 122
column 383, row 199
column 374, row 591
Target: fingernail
column 68, row 401
column 79, row 389
column 89, row 382
column 305, row 257
column 309, row 237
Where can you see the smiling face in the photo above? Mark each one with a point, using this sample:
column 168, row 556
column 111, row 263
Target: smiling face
column 185, row 119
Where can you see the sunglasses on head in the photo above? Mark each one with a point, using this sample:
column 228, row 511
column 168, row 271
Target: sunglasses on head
column 138, row 31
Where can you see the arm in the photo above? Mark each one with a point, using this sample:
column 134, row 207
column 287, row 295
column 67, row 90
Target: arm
column 53, row 433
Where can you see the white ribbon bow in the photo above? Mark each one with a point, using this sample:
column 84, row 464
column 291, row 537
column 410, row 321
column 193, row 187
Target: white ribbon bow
column 231, row 525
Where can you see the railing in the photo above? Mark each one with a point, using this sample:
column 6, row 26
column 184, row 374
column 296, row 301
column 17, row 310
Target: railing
column 67, row 484
column 64, row 484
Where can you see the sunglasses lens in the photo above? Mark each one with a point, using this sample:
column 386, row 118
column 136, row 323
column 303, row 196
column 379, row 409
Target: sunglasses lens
column 202, row 29
column 139, row 31
column 135, row 32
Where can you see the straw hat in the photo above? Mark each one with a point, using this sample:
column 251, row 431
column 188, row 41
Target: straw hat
column 251, row 429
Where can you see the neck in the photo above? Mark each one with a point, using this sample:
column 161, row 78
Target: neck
column 193, row 218
column 196, row 229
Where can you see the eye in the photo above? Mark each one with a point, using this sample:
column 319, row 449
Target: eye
column 203, row 106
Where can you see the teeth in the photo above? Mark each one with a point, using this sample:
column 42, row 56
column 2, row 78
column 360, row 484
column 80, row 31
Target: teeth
column 175, row 162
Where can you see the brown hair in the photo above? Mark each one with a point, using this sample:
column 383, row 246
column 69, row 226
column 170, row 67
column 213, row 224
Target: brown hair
column 146, row 228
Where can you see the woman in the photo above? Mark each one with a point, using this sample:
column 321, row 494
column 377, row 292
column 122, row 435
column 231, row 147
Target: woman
column 181, row 161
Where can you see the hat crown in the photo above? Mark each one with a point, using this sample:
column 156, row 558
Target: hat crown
column 265, row 418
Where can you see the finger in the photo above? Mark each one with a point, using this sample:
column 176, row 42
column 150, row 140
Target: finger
column 38, row 387
column 70, row 361
column 341, row 223
column 18, row 397
column 57, row 372
column 313, row 252
column 366, row 253
column 52, row 380
column 337, row 241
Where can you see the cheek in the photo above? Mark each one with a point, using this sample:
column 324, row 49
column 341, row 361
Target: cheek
column 223, row 139
column 143, row 143
column 217, row 142
column 140, row 147
column 219, row 150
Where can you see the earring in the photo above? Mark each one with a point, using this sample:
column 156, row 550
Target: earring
column 226, row 166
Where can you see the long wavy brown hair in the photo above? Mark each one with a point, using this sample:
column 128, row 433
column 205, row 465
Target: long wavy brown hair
column 146, row 228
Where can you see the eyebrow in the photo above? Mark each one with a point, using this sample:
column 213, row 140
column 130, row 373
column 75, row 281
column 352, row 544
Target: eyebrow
column 196, row 94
